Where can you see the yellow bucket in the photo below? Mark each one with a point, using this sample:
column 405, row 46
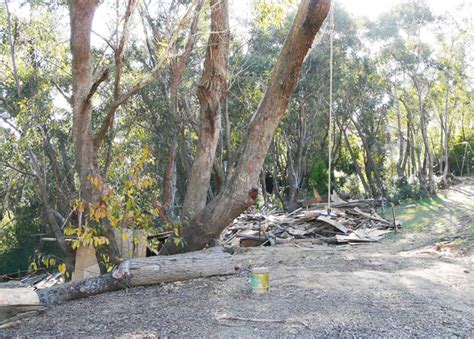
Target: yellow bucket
column 260, row 280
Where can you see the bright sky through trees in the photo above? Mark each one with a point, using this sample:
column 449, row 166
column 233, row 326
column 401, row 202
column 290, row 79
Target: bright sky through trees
column 372, row 8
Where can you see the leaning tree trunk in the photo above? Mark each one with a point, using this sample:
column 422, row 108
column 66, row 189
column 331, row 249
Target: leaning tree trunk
column 169, row 180
column 354, row 161
column 211, row 92
column 240, row 192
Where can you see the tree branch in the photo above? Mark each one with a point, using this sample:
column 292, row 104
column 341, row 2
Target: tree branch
column 60, row 90
column 12, row 52
column 8, row 106
column 7, row 164
column 100, row 79
column 143, row 82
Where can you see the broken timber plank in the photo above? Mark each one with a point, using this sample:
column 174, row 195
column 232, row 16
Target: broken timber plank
column 372, row 234
column 337, row 199
column 370, row 216
column 351, row 238
column 334, row 223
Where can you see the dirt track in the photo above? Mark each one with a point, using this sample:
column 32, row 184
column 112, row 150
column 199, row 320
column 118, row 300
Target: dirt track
column 402, row 286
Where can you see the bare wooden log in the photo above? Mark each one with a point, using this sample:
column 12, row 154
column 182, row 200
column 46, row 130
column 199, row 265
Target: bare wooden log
column 136, row 272
column 18, row 296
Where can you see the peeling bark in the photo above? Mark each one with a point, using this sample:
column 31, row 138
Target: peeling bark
column 211, row 92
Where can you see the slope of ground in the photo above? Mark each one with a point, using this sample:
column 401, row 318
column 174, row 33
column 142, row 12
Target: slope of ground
column 416, row 283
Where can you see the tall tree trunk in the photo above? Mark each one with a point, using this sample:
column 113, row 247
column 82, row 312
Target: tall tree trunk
column 82, row 14
column 211, row 92
column 240, row 192
column 414, row 164
column 406, row 157
column 400, row 162
column 446, row 139
column 295, row 159
column 169, row 180
column 354, row 161
column 371, row 167
column 429, row 155
column 12, row 52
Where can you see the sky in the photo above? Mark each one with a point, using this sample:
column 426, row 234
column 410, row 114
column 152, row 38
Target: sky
column 241, row 9
column 372, row 8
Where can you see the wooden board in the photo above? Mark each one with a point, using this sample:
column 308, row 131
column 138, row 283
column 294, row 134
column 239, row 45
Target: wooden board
column 334, row 223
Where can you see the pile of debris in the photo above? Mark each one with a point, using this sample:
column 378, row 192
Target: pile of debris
column 348, row 222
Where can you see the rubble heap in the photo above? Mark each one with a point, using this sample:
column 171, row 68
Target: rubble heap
column 349, row 222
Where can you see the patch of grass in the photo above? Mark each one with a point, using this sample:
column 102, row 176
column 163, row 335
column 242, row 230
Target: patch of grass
column 419, row 217
column 436, row 214
column 445, row 218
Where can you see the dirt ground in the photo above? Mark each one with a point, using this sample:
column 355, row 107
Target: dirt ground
column 417, row 283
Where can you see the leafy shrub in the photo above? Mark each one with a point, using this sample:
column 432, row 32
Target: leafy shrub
column 353, row 186
column 319, row 177
column 462, row 150
column 405, row 188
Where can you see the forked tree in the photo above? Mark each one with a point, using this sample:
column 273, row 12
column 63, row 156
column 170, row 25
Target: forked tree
column 202, row 222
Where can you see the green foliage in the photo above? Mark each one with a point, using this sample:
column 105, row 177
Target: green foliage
column 270, row 13
column 129, row 205
column 19, row 239
column 461, row 155
column 405, row 188
column 353, row 186
column 319, row 176
column 377, row 66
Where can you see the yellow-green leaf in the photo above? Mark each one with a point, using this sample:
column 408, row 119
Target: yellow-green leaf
column 62, row 268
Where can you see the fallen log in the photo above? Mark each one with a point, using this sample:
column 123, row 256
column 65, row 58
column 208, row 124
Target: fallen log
column 134, row 272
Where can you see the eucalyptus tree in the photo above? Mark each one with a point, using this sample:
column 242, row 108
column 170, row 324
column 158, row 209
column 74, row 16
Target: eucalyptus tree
column 450, row 93
column 413, row 72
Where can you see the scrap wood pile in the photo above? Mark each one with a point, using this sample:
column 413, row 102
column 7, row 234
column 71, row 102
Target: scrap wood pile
column 349, row 222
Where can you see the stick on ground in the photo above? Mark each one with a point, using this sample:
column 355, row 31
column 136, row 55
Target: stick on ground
column 257, row 320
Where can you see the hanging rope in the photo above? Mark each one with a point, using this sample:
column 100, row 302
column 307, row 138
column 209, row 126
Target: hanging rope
column 330, row 142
